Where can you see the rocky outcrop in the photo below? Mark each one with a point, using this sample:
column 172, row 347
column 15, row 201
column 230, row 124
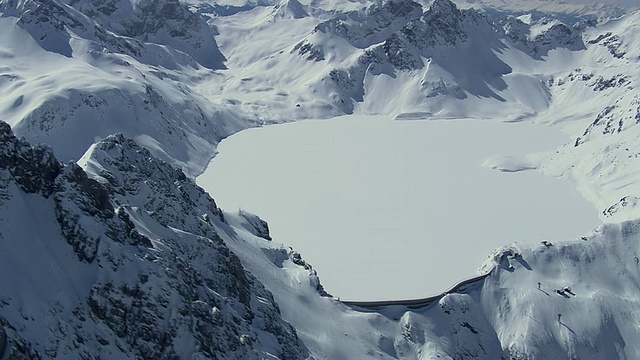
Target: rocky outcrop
column 255, row 224
column 397, row 35
column 165, row 193
column 400, row 36
column 309, row 51
column 159, row 283
column 612, row 43
column 33, row 168
column 549, row 34
column 165, row 22
column 367, row 27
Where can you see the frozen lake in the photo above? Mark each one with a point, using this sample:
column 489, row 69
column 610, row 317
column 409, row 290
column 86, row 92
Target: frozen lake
column 387, row 209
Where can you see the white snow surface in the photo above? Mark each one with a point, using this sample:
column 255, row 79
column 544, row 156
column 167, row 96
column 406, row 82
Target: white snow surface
column 378, row 206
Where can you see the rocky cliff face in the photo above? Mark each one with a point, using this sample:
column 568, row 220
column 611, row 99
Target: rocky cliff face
column 137, row 251
column 365, row 28
column 540, row 37
column 32, row 168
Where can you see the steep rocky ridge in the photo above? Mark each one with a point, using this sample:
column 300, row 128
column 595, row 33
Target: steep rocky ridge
column 109, row 283
column 168, row 23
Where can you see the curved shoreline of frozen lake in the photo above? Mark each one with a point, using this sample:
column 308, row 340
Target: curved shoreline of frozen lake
column 388, row 209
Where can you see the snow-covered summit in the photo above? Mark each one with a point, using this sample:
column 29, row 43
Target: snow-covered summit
column 373, row 24
column 445, row 51
column 289, row 9
column 539, row 37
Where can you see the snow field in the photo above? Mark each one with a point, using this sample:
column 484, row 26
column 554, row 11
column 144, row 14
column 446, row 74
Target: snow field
column 376, row 205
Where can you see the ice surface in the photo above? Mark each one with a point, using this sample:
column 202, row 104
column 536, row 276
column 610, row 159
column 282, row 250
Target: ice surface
column 397, row 209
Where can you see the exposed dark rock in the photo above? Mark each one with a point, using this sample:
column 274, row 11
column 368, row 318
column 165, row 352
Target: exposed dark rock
column 163, row 191
column 601, row 84
column 297, row 259
column 51, row 23
column 256, row 225
column 624, row 203
column 152, row 21
column 34, row 168
column 147, row 297
column 556, row 35
column 309, row 51
column 395, row 48
column 398, row 37
column 373, row 25
column 611, row 42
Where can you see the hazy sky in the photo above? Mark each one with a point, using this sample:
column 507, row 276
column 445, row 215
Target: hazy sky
column 630, row 3
column 546, row 3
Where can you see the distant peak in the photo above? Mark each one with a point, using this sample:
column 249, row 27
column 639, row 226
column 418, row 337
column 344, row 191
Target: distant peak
column 443, row 6
column 113, row 140
column 289, row 9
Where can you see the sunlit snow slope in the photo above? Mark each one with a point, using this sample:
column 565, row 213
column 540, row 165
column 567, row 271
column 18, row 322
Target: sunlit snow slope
column 123, row 256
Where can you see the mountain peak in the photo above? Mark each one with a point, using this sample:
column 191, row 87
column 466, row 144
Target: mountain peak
column 34, row 168
column 289, row 9
column 441, row 7
column 128, row 289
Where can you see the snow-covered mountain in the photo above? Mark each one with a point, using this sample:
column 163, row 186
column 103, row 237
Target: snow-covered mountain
column 118, row 254
column 107, row 267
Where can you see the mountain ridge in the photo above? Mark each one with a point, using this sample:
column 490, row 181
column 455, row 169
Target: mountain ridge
column 145, row 293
